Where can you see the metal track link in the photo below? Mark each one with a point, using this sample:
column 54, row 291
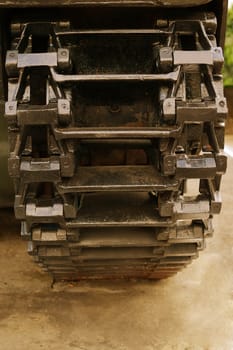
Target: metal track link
column 103, row 253
column 116, row 143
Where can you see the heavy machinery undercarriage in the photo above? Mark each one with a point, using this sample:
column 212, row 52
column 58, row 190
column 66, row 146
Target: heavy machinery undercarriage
column 116, row 118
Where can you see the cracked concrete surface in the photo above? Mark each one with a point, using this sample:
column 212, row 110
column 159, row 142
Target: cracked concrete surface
column 191, row 311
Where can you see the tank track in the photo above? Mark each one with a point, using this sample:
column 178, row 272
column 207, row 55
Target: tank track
column 107, row 129
column 112, row 251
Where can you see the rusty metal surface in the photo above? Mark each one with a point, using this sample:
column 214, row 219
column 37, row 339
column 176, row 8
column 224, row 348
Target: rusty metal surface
column 118, row 178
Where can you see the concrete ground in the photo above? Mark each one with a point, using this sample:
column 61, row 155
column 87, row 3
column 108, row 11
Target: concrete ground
column 191, row 311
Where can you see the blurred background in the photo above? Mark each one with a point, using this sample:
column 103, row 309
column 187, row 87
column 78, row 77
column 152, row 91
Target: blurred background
column 228, row 70
column 228, row 73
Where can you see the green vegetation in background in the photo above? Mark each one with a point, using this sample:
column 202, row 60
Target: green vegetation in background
column 228, row 69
